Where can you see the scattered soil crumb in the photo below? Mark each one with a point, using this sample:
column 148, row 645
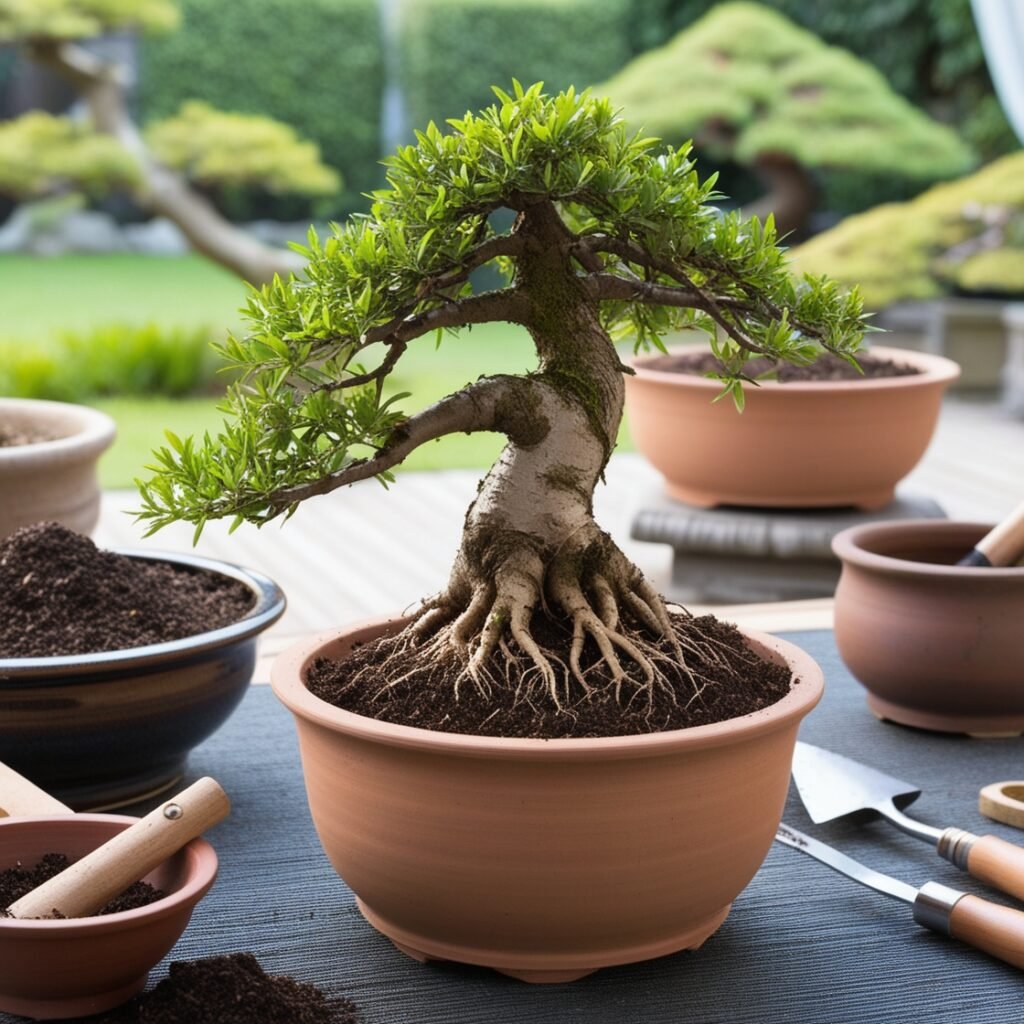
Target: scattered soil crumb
column 61, row 595
column 20, row 881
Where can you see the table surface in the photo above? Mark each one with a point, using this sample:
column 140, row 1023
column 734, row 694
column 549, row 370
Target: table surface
column 802, row 944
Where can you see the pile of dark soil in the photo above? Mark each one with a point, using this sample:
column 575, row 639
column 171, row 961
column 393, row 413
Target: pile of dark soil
column 61, row 595
column 20, row 881
column 725, row 679
column 827, row 367
column 231, row 989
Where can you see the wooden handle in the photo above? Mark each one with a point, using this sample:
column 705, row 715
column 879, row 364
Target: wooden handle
column 20, row 798
column 90, row 883
column 996, row 930
column 1003, row 801
column 1004, row 544
column 997, row 863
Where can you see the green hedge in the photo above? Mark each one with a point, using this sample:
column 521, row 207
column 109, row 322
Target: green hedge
column 316, row 65
column 452, row 51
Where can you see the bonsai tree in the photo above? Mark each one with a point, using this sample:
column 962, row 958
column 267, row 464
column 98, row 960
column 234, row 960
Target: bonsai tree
column 965, row 236
column 41, row 154
column 748, row 85
column 610, row 237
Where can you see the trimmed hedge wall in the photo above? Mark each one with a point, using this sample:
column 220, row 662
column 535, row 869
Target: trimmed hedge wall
column 452, row 51
column 316, row 65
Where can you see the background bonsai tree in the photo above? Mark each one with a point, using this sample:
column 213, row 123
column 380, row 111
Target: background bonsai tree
column 609, row 238
column 747, row 85
column 963, row 236
column 41, row 154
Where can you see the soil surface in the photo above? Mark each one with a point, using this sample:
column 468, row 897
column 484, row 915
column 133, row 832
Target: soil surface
column 723, row 679
column 20, row 881
column 61, row 595
column 232, row 989
column 12, row 436
column 827, row 367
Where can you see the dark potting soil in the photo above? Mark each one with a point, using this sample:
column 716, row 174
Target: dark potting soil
column 232, row 989
column 20, row 881
column 723, row 679
column 61, row 595
column 827, row 367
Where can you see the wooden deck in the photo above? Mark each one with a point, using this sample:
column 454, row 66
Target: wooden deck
column 366, row 551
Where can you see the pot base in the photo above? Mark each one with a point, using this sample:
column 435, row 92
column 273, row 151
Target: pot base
column 869, row 502
column 563, row 967
column 983, row 727
column 80, row 1006
column 120, row 792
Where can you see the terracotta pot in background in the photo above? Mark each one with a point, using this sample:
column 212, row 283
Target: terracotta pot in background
column 101, row 730
column 937, row 646
column 796, row 445
column 544, row 859
column 76, row 967
column 53, row 479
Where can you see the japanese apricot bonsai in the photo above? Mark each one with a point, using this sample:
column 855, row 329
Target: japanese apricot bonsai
column 611, row 238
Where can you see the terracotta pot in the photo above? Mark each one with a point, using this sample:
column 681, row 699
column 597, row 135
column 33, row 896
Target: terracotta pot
column 544, row 859
column 73, row 968
column 937, row 646
column 53, row 479
column 101, row 730
column 797, row 445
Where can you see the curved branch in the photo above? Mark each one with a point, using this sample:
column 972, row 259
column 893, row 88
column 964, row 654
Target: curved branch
column 472, row 410
column 165, row 192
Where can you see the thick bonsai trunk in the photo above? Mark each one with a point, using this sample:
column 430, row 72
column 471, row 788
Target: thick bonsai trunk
column 530, row 541
column 791, row 194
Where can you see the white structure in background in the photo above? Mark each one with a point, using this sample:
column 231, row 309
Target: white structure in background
column 1001, row 27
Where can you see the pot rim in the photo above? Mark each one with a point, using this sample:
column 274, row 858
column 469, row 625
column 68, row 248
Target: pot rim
column 201, row 871
column 268, row 608
column 287, row 681
column 96, row 433
column 934, row 369
column 848, row 546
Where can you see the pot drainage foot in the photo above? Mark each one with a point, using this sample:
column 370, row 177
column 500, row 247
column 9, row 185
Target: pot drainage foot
column 991, row 727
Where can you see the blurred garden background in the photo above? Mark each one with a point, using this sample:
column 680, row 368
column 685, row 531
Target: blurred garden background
column 156, row 154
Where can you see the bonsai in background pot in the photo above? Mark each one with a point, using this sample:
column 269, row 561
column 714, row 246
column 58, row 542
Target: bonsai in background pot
column 543, row 857
column 48, row 457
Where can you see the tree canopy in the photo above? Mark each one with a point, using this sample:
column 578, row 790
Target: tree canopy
column 745, row 82
column 650, row 248
column 963, row 235
column 81, row 19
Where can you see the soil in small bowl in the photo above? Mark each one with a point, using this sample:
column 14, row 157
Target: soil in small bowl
column 20, row 881
column 61, row 595
column 826, row 368
column 395, row 679
column 12, row 436
column 232, row 989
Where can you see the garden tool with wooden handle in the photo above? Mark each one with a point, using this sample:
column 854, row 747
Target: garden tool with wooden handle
column 1002, row 546
column 90, row 883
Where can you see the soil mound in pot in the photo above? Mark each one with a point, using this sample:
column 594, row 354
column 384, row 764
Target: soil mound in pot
column 397, row 679
column 232, row 989
column 826, row 368
column 20, row 881
column 61, row 595
column 11, row 436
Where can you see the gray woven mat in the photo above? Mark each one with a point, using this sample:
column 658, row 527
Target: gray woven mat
column 801, row 945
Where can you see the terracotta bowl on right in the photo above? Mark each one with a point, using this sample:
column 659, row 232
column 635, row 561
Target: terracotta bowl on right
column 937, row 646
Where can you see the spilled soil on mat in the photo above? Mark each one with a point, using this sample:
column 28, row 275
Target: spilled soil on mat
column 826, row 368
column 232, row 989
column 61, row 595
column 20, row 881
column 722, row 678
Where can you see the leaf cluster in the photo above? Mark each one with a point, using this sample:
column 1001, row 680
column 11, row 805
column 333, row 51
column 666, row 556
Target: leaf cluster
column 81, row 19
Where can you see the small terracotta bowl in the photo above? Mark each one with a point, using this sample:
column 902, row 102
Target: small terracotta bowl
column 936, row 645
column 73, row 968
column 102, row 730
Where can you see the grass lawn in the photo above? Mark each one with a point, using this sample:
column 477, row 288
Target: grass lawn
column 40, row 297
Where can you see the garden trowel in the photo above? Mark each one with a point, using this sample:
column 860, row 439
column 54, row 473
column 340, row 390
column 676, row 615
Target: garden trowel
column 832, row 786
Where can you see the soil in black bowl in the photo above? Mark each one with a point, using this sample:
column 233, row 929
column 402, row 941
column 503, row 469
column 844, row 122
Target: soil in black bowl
column 232, row 989
column 61, row 595
column 401, row 680
column 826, row 368
column 20, row 881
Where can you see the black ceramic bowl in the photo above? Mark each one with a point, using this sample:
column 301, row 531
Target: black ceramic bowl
column 102, row 730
